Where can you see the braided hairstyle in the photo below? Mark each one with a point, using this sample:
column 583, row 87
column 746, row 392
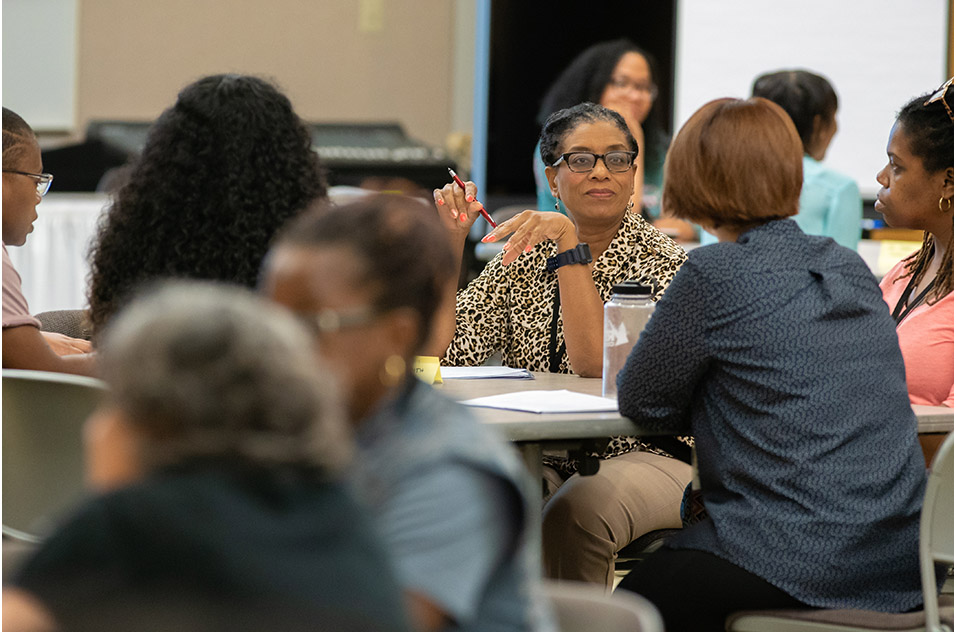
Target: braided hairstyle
column 929, row 129
column 222, row 170
column 17, row 136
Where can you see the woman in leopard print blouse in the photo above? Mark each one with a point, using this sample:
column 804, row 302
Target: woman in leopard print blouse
column 545, row 320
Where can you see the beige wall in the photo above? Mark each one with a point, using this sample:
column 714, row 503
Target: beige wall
column 337, row 60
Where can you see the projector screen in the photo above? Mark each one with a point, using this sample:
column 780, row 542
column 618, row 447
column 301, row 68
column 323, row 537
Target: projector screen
column 878, row 54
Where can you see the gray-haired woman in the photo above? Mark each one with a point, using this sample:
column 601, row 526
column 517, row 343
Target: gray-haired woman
column 216, row 452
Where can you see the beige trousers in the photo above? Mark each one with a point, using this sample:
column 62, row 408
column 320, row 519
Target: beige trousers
column 590, row 518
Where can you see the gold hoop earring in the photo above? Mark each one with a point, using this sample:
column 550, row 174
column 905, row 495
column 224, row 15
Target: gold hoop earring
column 949, row 205
column 392, row 371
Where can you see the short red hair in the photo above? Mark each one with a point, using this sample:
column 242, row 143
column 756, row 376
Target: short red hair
column 734, row 162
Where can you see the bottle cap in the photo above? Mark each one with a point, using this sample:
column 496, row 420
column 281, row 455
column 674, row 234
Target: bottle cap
column 634, row 287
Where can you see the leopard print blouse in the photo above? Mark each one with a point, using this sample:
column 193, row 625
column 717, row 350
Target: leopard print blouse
column 511, row 309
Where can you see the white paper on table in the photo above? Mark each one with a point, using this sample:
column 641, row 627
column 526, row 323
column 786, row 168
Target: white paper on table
column 562, row 401
column 484, row 372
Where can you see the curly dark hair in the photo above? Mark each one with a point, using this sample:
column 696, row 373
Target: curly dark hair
column 222, row 170
column 585, row 79
column 563, row 121
column 803, row 94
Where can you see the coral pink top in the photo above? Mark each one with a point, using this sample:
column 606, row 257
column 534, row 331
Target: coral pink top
column 926, row 340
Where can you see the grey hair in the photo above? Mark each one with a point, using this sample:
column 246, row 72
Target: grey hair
column 206, row 370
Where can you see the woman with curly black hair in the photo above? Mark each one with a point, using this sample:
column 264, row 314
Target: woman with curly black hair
column 221, row 171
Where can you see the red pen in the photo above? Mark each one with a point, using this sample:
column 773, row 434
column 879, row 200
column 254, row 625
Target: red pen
column 484, row 213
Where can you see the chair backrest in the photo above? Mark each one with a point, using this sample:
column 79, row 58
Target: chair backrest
column 581, row 607
column 43, row 415
column 74, row 323
column 936, row 528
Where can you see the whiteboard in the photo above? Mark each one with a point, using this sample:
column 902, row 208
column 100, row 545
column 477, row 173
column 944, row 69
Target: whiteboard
column 878, row 54
column 39, row 62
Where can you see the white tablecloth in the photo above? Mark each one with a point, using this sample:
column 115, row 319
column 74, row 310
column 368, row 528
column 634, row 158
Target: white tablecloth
column 53, row 262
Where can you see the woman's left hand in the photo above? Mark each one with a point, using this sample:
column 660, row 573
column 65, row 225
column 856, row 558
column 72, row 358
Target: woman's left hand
column 529, row 228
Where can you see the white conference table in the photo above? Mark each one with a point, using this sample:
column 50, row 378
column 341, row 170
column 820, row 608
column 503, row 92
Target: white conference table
column 534, row 432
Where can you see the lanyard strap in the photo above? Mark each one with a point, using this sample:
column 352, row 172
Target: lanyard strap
column 903, row 309
column 555, row 351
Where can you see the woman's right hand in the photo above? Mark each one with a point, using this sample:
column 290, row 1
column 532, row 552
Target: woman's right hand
column 457, row 208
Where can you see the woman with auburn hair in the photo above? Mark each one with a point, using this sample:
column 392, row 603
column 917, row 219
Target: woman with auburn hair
column 917, row 192
column 775, row 350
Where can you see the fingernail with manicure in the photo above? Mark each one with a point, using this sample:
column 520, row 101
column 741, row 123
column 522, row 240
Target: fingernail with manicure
column 462, row 217
column 469, row 198
column 487, row 238
column 528, row 248
column 440, row 202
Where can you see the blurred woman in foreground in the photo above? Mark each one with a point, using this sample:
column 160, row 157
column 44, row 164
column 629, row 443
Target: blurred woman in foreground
column 447, row 492
column 217, row 456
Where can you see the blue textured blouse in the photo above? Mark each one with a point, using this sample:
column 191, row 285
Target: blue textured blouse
column 779, row 355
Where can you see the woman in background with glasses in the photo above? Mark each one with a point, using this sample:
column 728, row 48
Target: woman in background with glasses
column 917, row 192
column 622, row 77
column 540, row 304
column 24, row 185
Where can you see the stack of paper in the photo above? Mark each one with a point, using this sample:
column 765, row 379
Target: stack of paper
column 562, row 401
column 484, row 372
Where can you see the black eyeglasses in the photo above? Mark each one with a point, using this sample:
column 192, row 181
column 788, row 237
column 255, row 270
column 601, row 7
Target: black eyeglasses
column 43, row 180
column 584, row 161
column 940, row 95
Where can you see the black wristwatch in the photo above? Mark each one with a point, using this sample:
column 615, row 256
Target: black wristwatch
column 579, row 254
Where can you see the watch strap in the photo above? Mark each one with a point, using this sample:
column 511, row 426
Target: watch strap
column 579, row 254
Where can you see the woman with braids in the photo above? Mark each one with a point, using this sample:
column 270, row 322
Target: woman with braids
column 917, row 192
column 221, row 171
column 24, row 185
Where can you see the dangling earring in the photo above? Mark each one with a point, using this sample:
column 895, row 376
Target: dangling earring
column 392, row 371
column 949, row 205
column 630, row 206
column 557, row 206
